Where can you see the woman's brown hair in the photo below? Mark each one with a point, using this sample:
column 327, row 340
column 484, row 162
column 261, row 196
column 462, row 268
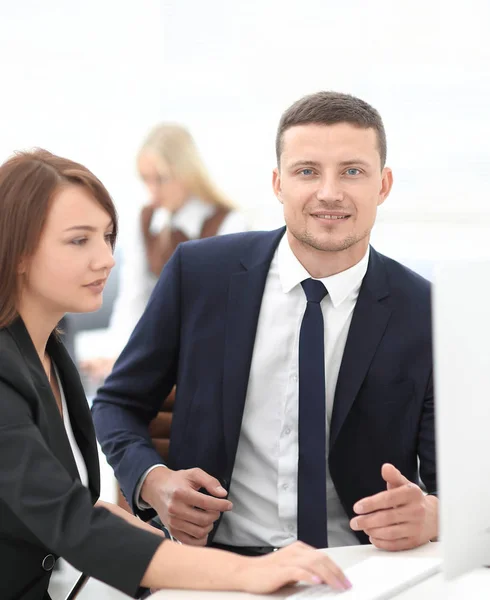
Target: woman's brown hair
column 28, row 183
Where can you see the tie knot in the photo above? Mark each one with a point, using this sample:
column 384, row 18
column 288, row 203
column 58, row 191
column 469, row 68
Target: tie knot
column 315, row 290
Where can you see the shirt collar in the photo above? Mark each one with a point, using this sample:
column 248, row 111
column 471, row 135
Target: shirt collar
column 339, row 286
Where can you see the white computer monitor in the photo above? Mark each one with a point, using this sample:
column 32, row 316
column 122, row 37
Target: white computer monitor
column 461, row 317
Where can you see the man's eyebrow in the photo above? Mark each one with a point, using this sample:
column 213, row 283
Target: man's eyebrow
column 303, row 163
column 354, row 161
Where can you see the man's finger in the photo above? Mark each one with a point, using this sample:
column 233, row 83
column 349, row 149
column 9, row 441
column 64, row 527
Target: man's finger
column 393, row 545
column 203, row 479
column 184, row 538
column 190, row 529
column 199, row 517
column 205, row 502
column 382, row 518
column 393, row 476
column 390, row 534
column 396, row 497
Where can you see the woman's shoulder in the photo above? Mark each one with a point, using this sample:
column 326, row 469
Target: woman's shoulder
column 15, row 380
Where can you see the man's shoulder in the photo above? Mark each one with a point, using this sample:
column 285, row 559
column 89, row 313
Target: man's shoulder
column 407, row 288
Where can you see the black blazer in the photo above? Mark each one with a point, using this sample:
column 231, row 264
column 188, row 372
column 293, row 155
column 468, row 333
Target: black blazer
column 44, row 508
column 198, row 332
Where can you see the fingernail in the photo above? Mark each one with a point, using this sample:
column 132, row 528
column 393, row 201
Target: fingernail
column 354, row 524
column 339, row 585
column 220, row 488
column 359, row 508
column 347, row 584
column 316, row 579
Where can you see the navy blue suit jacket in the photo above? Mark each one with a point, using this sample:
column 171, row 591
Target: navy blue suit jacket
column 198, row 332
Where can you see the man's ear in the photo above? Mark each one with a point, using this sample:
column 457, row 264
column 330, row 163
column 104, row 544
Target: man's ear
column 386, row 185
column 276, row 184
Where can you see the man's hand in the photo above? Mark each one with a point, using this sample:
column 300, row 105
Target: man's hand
column 400, row 518
column 188, row 514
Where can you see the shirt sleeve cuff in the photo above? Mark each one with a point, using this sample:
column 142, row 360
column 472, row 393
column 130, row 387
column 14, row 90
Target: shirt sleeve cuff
column 138, row 500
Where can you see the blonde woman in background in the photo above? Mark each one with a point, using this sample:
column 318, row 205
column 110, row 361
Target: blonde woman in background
column 184, row 204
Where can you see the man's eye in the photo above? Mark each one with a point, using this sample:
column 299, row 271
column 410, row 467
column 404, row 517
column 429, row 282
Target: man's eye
column 306, row 172
column 353, row 171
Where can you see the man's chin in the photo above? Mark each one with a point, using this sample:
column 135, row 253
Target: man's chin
column 327, row 245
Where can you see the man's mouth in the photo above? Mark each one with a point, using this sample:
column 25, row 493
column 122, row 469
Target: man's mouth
column 332, row 217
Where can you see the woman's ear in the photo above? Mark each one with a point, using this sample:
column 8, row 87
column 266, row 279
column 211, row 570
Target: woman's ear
column 22, row 266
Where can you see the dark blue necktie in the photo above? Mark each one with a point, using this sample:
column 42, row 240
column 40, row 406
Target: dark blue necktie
column 312, row 462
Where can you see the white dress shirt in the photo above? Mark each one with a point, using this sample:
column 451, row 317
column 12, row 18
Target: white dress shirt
column 77, row 455
column 136, row 281
column 264, row 481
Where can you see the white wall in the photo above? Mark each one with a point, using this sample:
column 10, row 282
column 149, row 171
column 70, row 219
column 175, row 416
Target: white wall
column 88, row 80
column 84, row 80
column 232, row 68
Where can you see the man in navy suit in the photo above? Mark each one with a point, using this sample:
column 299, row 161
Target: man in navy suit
column 302, row 362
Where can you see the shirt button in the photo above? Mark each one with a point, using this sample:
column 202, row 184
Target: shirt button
column 48, row 562
column 291, row 527
column 285, row 486
column 287, row 431
column 294, row 377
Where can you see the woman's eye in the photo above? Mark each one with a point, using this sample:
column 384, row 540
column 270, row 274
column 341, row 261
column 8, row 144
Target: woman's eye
column 79, row 241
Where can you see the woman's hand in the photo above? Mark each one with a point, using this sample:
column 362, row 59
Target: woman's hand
column 190, row 567
column 297, row 562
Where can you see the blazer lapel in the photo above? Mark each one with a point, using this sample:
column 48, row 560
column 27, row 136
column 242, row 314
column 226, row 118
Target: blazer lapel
column 243, row 308
column 58, row 439
column 80, row 416
column 369, row 321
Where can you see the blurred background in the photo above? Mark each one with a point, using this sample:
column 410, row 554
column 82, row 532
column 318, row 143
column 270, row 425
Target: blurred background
column 88, row 80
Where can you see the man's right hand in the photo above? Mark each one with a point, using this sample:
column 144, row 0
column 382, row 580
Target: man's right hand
column 188, row 514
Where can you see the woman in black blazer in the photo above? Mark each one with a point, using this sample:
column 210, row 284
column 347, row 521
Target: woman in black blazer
column 57, row 231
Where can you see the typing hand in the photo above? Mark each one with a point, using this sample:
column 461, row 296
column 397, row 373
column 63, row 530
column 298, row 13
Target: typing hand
column 188, row 514
column 400, row 518
column 297, row 562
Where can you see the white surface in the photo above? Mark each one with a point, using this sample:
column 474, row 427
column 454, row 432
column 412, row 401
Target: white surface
column 377, row 578
column 473, row 586
column 462, row 381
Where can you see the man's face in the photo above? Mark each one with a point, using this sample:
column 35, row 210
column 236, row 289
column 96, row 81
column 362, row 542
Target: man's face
column 330, row 183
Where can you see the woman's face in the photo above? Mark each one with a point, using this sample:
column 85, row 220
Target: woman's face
column 70, row 267
column 164, row 189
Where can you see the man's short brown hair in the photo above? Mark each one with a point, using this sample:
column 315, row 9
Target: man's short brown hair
column 330, row 108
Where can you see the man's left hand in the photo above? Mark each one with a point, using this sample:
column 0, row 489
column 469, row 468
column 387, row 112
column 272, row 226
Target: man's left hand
column 400, row 518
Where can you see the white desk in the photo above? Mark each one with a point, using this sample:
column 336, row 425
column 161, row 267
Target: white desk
column 473, row 586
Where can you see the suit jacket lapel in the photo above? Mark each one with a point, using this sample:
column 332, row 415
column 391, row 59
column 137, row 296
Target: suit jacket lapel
column 75, row 398
column 369, row 321
column 58, row 440
column 80, row 416
column 243, row 308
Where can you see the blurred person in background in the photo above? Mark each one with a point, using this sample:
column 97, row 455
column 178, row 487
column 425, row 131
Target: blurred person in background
column 58, row 227
column 184, row 204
